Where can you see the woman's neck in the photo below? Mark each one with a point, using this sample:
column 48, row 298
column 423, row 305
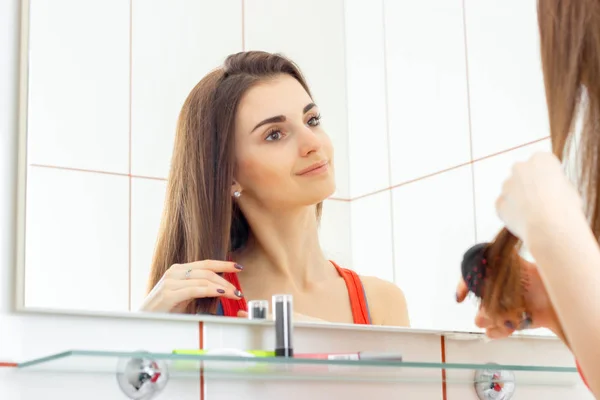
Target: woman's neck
column 285, row 246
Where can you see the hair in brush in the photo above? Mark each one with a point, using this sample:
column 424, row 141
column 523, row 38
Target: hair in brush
column 570, row 52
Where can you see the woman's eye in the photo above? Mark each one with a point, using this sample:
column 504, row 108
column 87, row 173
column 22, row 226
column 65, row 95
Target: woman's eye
column 314, row 121
column 274, row 135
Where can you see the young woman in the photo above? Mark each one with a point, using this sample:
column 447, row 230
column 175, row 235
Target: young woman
column 543, row 210
column 251, row 167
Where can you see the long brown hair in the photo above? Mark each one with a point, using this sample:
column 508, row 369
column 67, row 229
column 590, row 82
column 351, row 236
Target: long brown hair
column 570, row 53
column 200, row 220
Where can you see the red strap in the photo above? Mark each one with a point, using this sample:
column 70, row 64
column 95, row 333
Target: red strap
column 581, row 374
column 230, row 306
column 358, row 302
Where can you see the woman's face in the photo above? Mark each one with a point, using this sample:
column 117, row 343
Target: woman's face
column 284, row 158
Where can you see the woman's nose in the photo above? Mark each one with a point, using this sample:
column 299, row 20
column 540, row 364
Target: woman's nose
column 309, row 141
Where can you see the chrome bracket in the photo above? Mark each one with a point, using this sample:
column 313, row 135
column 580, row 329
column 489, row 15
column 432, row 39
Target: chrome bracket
column 494, row 384
column 142, row 378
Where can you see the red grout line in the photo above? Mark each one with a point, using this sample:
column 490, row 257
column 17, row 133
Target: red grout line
column 130, row 144
column 243, row 25
column 201, row 347
column 464, row 17
column 339, row 199
column 129, row 243
column 387, row 135
column 154, row 178
column 420, row 178
column 511, row 149
column 443, row 351
column 8, row 365
column 78, row 169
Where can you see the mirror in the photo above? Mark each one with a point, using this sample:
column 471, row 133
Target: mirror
column 427, row 105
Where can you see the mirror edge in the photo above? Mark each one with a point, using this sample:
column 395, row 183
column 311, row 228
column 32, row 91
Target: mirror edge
column 21, row 189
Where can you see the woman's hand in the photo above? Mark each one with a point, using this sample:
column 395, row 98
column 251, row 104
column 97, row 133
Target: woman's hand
column 183, row 283
column 297, row 317
column 537, row 195
column 537, row 303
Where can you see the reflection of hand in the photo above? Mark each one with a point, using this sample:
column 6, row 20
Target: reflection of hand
column 537, row 304
column 183, row 283
column 297, row 317
column 537, row 195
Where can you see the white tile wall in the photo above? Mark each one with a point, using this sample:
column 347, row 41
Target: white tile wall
column 174, row 44
column 427, row 87
column 489, row 175
column 508, row 104
column 79, row 84
column 311, row 33
column 372, row 236
column 334, row 232
column 433, row 226
column 77, row 240
column 147, row 201
column 366, row 88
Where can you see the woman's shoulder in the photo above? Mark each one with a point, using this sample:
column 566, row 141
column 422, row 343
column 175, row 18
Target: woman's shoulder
column 387, row 302
column 375, row 287
column 381, row 288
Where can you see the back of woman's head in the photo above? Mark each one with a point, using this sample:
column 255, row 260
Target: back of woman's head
column 200, row 220
column 570, row 53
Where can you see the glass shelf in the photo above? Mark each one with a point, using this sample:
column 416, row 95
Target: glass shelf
column 278, row 368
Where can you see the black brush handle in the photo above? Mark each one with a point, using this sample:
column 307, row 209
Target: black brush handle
column 474, row 268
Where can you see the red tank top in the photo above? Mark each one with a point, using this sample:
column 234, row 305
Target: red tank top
column 358, row 300
column 581, row 374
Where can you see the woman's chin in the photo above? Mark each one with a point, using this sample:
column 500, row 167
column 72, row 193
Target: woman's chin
column 315, row 193
column 325, row 192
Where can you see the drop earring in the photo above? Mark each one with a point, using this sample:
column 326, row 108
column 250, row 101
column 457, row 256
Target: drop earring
column 237, row 194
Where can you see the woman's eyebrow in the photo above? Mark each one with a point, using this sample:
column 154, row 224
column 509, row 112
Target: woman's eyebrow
column 281, row 118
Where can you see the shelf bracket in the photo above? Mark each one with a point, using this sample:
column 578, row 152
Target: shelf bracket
column 494, row 384
column 142, row 378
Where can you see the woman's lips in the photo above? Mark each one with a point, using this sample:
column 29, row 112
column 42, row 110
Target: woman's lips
column 315, row 169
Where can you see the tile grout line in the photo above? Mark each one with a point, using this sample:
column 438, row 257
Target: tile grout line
column 348, row 138
column 201, row 347
column 130, row 143
column 443, row 359
column 362, row 196
column 464, row 12
column 243, row 25
column 387, row 137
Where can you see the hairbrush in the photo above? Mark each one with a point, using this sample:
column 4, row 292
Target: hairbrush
column 474, row 270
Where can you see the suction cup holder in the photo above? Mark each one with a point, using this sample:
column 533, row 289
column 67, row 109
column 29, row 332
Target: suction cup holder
column 142, row 378
column 494, row 384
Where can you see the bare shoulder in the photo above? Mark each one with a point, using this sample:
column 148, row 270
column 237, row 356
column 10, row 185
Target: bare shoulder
column 387, row 303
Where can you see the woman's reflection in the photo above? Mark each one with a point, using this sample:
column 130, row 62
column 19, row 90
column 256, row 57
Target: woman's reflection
column 251, row 167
